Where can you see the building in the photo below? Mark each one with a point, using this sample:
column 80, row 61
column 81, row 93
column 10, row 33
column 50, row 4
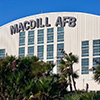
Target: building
column 44, row 34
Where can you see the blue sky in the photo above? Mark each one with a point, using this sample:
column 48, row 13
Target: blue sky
column 11, row 10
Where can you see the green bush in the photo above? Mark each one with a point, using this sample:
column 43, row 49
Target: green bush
column 82, row 96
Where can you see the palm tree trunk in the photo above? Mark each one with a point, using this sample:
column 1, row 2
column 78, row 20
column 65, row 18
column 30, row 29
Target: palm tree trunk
column 74, row 83
column 70, row 84
column 70, row 87
column 2, row 96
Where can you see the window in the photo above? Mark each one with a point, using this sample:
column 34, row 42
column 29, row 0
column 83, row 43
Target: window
column 22, row 52
column 58, row 64
column 60, row 34
column 59, row 48
column 50, row 35
column 40, row 36
column 50, row 51
column 85, row 66
column 85, row 48
column 94, row 62
column 2, row 53
column 50, row 62
column 96, row 47
column 21, row 38
column 40, row 52
column 31, row 51
column 30, row 37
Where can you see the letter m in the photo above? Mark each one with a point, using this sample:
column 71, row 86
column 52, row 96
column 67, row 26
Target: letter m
column 14, row 29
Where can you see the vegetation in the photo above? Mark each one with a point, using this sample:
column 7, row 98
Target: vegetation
column 66, row 68
column 24, row 77
column 97, row 74
column 82, row 96
column 96, row 71
column 30, row 79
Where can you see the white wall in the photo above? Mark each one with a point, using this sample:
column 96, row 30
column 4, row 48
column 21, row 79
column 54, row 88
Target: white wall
column 87, row 28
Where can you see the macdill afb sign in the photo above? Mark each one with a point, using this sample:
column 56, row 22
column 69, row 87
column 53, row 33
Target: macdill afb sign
column 38, row 23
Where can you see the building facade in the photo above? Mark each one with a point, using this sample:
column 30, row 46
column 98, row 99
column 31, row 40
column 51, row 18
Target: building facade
column 44, row 34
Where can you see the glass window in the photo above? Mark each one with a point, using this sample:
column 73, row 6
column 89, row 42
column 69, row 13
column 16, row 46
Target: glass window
column 21, row 38
column 60, row 34
column 50, row 51
column 50, row 35
column 31, row 51
column 58, row 64
column 85, row 66
column 40, row 36
column 96, row 47
column 94, row 62
column 59, row 48
column 30, row 37
column 50, row 62
column 40, row 52
column 2, row 53
column 22, row 52
column 85, row 48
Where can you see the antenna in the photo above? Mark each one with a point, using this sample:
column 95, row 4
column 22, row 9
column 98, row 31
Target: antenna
column 41, row 12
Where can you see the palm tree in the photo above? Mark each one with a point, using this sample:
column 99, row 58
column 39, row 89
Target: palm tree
column 97, row 74
column 66, row 68
column 97, row 71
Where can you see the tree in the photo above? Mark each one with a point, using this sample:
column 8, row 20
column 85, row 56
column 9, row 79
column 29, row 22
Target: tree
column 50, row 86
column 24, row 77
column 5, row 70
column 97, row 74
column 96, row 71
column 66, row 68
column 17, row 76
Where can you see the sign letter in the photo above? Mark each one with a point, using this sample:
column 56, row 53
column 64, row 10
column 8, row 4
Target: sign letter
column 59, row 21
column 26, row 25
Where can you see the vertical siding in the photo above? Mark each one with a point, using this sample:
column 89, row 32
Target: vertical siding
column 87, row 28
